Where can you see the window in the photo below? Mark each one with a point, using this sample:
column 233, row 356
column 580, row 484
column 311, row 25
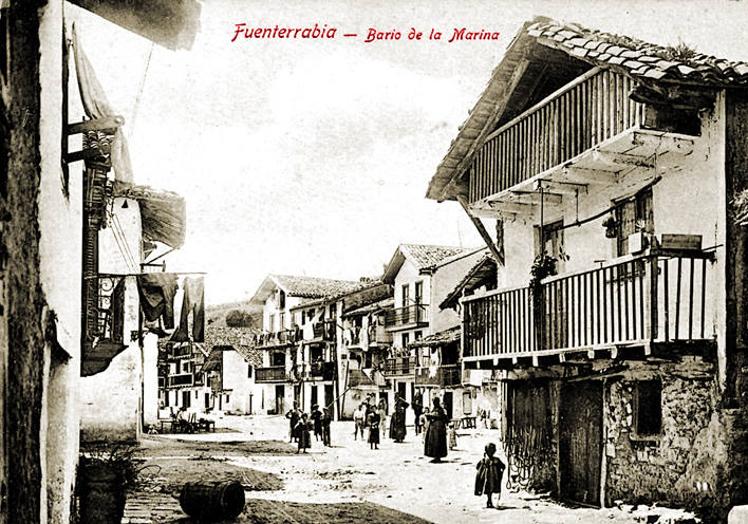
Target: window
column 406, row 339
column 249, row 371
column 551, row 242
column 279, row 358
column 281, row 321
column 186, row 366
column 186, row 398
column 417, row 335
column 196, row 393
column 418, row 292
column 631, row 217
column 405, row 295
column 271, row 324
column 281, row 299
column 648, row 408
column 227, row 399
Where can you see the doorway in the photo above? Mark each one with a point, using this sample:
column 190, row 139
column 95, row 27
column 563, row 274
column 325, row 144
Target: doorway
column 314, row 395
column 580, row 445
column 280, row 393
column 447, row 403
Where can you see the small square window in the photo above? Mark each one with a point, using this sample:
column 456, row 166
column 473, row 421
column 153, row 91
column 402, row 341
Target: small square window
column 648, row 408
column 249, row 371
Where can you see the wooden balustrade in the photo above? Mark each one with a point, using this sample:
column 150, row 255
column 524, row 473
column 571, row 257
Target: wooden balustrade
column 400, row 366
column 655, row 298
column 271, row 374
column 582, row 114
column 402, row 316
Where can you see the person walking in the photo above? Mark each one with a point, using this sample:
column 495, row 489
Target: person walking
column 317, row 421
column 417, row 410
column 302, row 430
column 326, row 420
column 488, row 477
column 435, row 444
column 397, row 422
column 373, row 421
column 359, row 418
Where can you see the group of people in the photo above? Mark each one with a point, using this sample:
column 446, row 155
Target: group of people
column 439, row 434
column 302, row 424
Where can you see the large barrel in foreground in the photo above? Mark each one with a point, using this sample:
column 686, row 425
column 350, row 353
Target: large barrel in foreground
column 211, row 501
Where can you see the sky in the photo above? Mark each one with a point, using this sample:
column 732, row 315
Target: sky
column 312, row 157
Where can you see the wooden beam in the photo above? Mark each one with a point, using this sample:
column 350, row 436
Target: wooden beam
column 586, row 176
column 533, row 197
column 620, row 159
column 97, row 124
column 563, row 188
column 514, row 207
column 482, row 231
column 85, row 154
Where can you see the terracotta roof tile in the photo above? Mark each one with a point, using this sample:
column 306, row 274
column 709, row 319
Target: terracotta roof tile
column 423, row 256
column 313, row 287
column 670, row 63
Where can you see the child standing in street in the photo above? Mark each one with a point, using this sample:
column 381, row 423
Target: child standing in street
column 452, row 436
column 488, row 478
column 424, row 422
column 326, row 419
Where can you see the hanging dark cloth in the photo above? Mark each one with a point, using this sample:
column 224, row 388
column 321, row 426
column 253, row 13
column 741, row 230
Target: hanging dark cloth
column 157, row 292
column 193, row 302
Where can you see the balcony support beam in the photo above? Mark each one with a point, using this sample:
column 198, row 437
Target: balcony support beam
column 534, row 197
column 492, row 247
column 578, row 175
column 563, row 188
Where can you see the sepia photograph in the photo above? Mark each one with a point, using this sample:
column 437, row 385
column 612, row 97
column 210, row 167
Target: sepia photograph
column 384, row 262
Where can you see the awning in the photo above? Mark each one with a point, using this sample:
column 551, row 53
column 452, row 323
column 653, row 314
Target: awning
column 170, row 23
column 163, row 213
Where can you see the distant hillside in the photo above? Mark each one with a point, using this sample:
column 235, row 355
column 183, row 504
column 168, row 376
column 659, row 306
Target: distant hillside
column 216, row 313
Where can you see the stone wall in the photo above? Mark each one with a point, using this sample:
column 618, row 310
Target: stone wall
column 653, row 469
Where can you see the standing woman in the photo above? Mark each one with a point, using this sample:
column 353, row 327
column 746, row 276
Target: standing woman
column 373, row 420
column 397, row 422
column 382, row 412
column 302, row 430
column 435, row 444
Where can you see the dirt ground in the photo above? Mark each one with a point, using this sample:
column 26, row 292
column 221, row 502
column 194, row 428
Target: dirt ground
column 345, row 483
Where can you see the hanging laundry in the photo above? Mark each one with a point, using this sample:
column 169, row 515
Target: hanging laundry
column 157, row 292
column 193, row 302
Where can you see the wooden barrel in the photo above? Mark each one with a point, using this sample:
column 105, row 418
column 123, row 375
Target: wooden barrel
column 211, row 501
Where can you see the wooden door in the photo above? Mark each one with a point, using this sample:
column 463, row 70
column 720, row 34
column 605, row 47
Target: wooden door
column 280, row 393
column 580, row 447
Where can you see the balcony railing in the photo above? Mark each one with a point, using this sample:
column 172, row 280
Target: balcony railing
column 653, row 298
column 399, row 366
column 403, row 316
column 182, row 380
column 583, row 114
column 443, row 376
column 280, row 338
column 271, row 374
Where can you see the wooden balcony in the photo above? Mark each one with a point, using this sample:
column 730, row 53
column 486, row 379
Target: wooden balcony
column 399, row 366
column 324, row 330
column 283, row 338
column 407, row 317
column 180, row 381
column 271, row 374
column 633, row 301
column 441, row 376
column 320, row 370
column 584, row 133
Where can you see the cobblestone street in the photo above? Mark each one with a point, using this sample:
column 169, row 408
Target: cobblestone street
column 345, row 483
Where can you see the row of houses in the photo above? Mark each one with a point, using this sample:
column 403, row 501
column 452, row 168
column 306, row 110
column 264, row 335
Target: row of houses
column 337, row 343
column 605, row 319
column 78, row 233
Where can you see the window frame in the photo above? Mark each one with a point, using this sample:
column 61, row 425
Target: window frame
column 638, row 415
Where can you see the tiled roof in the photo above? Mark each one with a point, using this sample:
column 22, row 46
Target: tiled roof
column 423, row 256
column 313, row 287
column 371, row 308
column 241, row 339
column 639, row 58
column 482, row 272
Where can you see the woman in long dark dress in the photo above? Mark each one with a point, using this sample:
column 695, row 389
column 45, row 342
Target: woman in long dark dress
column 397, row 421
column 373, row 420
column 302, row 430
column 435, row 443
column 317, row 420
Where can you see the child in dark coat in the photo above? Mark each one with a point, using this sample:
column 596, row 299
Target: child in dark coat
column 488, row 478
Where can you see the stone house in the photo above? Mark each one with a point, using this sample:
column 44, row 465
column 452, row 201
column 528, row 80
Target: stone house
column 41, row 206
column 419, row 275
column 618, row 326
column 298, row 342
column 231, row 370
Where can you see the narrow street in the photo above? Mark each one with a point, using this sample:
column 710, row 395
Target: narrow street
column 345, row 483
